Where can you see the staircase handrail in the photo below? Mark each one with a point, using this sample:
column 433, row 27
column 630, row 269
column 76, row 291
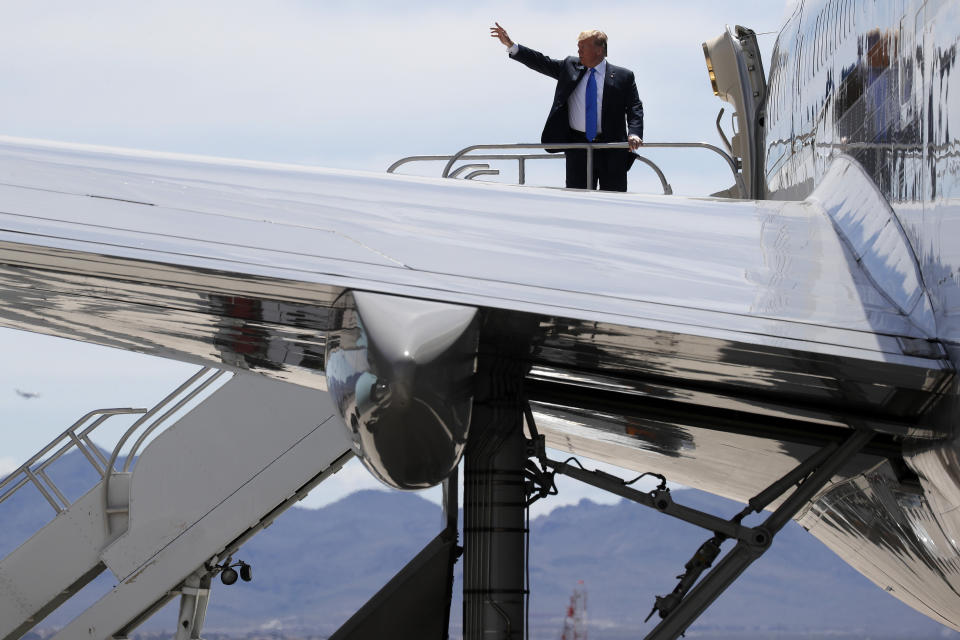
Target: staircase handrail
column 521, row 166
column 187, row 396
column 80, row 440
column 451, row 159
column 591, row 147
column 34, row 470
column 499, row 156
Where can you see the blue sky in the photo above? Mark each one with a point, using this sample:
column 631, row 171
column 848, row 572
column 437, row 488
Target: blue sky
column 350, row 85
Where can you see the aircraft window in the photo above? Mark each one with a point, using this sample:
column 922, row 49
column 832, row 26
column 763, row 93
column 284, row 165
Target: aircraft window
column 829, row 28
column 776, row 81
column 905, row 68
column 838, row 22
column 815, row 52
column 812, row 53
column 834, row 33
column 781, row 89
column 784, row 87
column 796, row 76
column 814, row 45
column 825, row 33
column 834, row 17
column 839, row 19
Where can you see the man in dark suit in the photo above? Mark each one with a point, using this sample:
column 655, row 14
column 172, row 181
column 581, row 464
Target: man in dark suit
column 595, row 101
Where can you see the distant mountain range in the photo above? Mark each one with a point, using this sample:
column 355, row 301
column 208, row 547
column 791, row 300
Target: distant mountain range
column 312, row 569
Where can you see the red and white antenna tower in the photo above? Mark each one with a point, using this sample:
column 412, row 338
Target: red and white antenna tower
column 575, row 622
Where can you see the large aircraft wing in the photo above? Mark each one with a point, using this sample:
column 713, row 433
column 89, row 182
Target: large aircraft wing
column 759, row 307
column 716, row 341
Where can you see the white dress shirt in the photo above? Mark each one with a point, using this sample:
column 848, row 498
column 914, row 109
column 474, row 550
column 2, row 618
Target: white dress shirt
column 578, row 99
column 577, row 103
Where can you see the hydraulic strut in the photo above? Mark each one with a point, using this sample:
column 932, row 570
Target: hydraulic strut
column 690, row 598
column 700, row 562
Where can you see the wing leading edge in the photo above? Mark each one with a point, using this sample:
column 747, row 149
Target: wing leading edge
column 238, row 263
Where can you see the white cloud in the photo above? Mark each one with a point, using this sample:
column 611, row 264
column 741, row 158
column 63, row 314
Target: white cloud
column 7, row 466
column 298, row 81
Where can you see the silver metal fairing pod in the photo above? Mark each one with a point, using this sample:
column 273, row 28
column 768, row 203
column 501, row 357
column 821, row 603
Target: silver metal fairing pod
column 400, row 372
column 736, row 76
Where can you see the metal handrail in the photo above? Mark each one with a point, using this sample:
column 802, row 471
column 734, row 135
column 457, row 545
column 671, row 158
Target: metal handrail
column 67, row 440
column 481, row 172
column 156, row 423
column 521, row 167
column 402, row 161
column 110, row 470
column 479, row 165
column 590, row 147
column 667, row 189
column 34, row 470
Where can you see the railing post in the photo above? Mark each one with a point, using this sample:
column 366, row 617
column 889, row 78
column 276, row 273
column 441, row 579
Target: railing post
column 33, row 471
column 587, row 146
column 590, row 166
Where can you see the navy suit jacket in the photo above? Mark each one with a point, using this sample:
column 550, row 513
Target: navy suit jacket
column 621, row 113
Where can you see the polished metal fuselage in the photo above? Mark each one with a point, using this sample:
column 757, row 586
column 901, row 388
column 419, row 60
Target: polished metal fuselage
column 874, row 81
column 718, row 342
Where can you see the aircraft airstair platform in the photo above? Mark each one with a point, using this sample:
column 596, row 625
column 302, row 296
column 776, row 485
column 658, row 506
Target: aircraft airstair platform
column 164, row 522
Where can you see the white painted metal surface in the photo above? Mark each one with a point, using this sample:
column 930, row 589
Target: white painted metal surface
column 702, row 266
column 199, row 486
column 55, row 562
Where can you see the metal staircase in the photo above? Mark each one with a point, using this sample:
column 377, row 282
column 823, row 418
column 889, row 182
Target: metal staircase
column 166, row 520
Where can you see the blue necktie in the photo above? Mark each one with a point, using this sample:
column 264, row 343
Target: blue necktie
column 591, row 124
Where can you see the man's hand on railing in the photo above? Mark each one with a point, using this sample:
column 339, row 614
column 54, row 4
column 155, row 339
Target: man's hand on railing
column 635, row 142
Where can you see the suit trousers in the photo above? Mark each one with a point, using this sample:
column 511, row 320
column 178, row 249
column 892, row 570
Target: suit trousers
column 609, row 167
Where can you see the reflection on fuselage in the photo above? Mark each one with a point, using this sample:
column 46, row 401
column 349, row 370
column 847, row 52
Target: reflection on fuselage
column 872, row 81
